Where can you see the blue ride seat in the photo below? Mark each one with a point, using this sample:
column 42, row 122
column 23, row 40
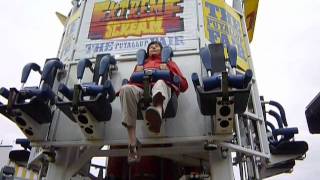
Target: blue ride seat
column 32, row 102
column 90, row 101
column 147, row 77
column 220, row 83
column 281, row 140
column 42, row 92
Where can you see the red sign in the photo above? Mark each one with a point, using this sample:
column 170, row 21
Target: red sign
column 137, row 18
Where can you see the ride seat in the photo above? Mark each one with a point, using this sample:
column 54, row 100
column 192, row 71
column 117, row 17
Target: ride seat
column 90, row 103
column 30, row 107
column 282, row 140
column 100, row 94
column 155, row 75
column 214, row 85
column 34, row 100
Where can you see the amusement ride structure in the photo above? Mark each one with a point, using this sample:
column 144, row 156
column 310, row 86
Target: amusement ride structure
column 218, row 129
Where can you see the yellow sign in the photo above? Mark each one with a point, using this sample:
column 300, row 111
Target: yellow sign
column 251, row 9
column 223, row 25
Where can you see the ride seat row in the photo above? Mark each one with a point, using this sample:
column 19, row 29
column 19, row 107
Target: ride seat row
column 90, row 103
column 281, row 138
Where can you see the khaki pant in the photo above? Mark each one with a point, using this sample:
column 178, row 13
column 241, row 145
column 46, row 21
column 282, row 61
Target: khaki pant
column 130, row 95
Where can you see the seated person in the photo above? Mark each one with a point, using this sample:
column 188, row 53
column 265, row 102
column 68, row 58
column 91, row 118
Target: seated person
column 131, row 94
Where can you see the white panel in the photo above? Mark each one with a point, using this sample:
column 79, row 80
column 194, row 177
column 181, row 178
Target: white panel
column 184, row 37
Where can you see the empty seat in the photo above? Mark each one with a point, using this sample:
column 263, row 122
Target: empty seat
column 281, row 139
column 219, row 82
column 89, row 103
column 30, row 107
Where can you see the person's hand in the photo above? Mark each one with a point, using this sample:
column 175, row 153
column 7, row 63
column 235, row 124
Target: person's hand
column 164, row 67
column 139, row 68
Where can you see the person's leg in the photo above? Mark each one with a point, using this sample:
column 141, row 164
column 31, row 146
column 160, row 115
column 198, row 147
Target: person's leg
column 161, row 94
column 129, row 98
column 132, row 140
column 134, row 146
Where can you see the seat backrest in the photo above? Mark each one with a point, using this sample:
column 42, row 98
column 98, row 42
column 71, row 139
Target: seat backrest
column 27, row 69
column 166, row 55
column 47, row 74
column 141, row 57
column 101, row 68
column 217, row 57
column 50, row 69
column 213, row 58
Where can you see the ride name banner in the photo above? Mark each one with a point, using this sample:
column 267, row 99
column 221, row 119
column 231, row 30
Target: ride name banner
column 124, row 26
column 223, row 25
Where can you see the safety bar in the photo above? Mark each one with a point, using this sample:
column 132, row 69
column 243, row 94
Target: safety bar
column 50, row 67
column 27, row 69
column 105, row 63
column 82, row 64
column 277, row 117
column 281, row 111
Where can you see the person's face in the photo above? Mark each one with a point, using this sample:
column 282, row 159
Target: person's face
column 154, row 49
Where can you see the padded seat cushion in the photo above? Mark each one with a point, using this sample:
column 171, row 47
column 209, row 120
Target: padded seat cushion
column 44, row 93
column 210, row 83
column 289, row 147
column 239, row 81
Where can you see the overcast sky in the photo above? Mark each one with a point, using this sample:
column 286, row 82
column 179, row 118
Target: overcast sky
column 287, row 63
column 285, row 51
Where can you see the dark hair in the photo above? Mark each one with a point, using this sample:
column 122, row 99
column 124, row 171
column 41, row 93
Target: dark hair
column 154, row 42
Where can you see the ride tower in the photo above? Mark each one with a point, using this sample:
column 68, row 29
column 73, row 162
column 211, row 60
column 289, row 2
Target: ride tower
column 219, row 124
